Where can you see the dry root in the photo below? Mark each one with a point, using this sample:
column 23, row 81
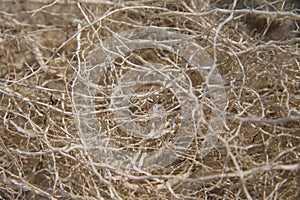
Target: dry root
column 44, row 50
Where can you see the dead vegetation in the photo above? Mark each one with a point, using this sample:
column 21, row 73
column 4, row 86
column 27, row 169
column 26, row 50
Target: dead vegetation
column 43, row 46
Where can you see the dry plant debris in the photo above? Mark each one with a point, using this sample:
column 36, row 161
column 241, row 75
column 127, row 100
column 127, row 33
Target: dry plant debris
column 45, row 48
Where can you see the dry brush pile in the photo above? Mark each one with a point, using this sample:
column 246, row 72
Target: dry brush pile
column 234, row 103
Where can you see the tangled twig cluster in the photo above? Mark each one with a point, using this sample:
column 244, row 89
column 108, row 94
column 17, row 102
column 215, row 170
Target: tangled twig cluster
column 149, row 99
